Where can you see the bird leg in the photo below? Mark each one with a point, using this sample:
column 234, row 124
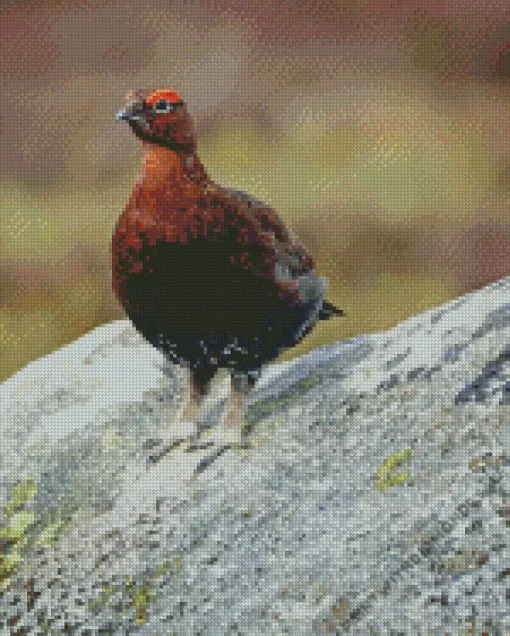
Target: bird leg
column 198, row 385
column 230, row 430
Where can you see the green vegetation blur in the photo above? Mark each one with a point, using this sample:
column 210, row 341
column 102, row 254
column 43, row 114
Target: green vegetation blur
column 384, row 143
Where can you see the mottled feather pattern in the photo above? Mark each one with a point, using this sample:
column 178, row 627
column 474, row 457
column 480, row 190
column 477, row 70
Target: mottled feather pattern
column 209, row 275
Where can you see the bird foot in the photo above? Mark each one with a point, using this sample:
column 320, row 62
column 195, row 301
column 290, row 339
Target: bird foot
column 181, row 429
column 227, row 436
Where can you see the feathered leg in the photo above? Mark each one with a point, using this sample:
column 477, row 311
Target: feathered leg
column 198, row 386
column 230, row 430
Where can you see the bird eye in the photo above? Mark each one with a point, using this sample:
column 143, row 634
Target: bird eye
column 163, row 106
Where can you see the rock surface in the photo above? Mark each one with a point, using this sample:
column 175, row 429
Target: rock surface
column 375, row 498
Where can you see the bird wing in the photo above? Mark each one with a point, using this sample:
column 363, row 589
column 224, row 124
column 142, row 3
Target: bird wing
column 290, row 251
column 294, row 267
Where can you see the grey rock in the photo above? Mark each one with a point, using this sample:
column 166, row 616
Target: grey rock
column 374, row 499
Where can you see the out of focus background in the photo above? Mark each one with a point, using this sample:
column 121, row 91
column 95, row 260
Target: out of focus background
column 380, row 131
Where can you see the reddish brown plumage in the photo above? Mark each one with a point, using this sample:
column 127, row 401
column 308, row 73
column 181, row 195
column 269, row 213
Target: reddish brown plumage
column 210, row 276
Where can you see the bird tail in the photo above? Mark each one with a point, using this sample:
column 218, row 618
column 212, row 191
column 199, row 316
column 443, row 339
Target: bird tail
column 328, row 310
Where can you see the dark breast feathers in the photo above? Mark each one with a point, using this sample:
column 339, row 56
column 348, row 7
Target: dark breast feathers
column 222, row 282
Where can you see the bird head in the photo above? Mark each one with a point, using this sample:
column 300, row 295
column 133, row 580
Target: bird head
column 159, row 117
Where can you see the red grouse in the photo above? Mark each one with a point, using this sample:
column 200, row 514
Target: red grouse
column 210, row 276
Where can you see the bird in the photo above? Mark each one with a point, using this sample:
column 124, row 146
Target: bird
column 210, row 276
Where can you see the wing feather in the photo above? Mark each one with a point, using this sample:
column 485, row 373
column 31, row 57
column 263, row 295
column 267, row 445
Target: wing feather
column 294, row 267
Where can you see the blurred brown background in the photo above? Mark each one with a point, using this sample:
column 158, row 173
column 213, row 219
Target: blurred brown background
column 379, row 130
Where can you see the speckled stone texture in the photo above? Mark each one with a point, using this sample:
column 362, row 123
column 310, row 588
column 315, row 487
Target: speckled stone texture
column 375, row 498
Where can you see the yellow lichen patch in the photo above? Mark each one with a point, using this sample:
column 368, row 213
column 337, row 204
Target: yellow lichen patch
column 386, row 475
column 20, row 494
column 140, row 597
column 8, row 564
column 18, row 524
column 50, row 533
column 13, row 531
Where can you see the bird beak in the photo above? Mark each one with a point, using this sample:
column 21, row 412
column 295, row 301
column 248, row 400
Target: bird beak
column 133, row 111
column 123, row 115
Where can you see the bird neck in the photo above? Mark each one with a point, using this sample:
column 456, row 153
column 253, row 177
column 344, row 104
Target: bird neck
column 166, row 168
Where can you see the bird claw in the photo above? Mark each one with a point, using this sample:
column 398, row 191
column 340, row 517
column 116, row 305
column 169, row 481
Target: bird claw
column 161, row 452
column 227, row 437
column 181, row 430
column 222, row 438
